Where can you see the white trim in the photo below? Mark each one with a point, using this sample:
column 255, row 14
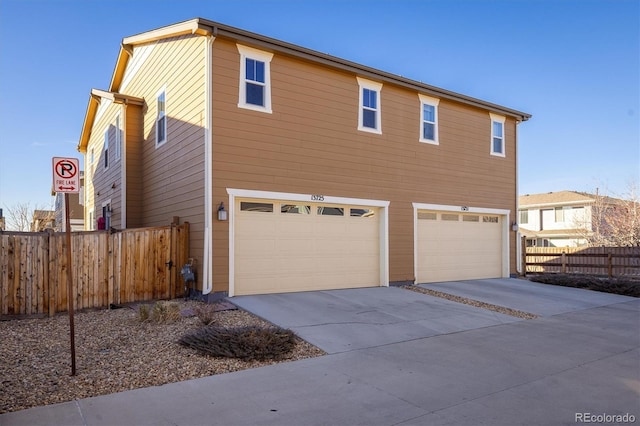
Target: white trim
column 285, row 196
column 498, row 119
column 376, row 87
column 262, row 56
column 506, row 225
column 123, row 167
column 207, row 263
column 428, row 100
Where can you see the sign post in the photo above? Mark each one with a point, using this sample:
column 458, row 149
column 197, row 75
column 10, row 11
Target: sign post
column 66, row 179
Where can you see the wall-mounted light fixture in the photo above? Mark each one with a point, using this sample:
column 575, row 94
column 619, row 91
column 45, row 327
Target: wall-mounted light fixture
column 222, row 213
column 514, row 226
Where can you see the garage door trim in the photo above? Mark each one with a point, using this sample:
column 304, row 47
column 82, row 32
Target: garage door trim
column 314, row 198
column 463, row 209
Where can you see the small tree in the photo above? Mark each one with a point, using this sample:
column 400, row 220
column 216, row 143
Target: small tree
column 19, row 216
column 615, row 222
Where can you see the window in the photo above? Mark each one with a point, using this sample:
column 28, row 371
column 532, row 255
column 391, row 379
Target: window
column 161, row 118
column 295, row 209
column 106, row 149
column 497, row 135
column 524, row 216
column 429, row 119
column 246, row 206
column 118, row 142
column 255, row 79
column 92, row 223
column 330, row 211
column 369, row 111
column 559, row 214
column 361, row 212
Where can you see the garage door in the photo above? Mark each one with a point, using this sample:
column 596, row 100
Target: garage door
column 455, row 246
column 286, row 246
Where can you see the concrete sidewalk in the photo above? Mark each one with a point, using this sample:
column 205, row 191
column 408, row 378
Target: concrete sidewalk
column 470, row 369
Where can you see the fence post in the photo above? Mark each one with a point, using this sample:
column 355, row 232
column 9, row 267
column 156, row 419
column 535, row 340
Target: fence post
column 523, row 250
column 564, row 262
column 610, row 264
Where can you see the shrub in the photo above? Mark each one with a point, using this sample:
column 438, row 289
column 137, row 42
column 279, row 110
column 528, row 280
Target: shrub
column 205, row 313
column 247, row 343
column 160, row 312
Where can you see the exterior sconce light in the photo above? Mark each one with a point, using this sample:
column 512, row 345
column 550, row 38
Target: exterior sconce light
column 222, row 213
column 514, row 226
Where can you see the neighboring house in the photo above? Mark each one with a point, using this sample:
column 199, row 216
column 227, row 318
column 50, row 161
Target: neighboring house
column 76, row 209
column 556, row 219
column 42, row 220
column 298, row 170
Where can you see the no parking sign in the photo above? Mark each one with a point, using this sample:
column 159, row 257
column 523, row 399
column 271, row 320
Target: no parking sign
column 66, row 176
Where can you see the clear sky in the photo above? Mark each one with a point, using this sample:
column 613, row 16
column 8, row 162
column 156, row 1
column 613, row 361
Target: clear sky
column 573, row 64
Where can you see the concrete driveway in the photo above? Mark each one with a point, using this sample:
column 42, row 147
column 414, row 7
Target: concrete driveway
column 398, row 357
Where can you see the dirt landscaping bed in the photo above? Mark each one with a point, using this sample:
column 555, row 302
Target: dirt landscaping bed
column 626, row 286
column 115, row 352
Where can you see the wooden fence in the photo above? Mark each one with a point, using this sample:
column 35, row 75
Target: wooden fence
column 610, row 261
column 126, row 266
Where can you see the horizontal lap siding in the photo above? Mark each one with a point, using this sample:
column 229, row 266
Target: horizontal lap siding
column 310, row 144
column 172, row 174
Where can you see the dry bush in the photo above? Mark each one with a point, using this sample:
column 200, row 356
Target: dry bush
column 160, row 312
column 626, row 286
column 205, row 313
column 247, row 343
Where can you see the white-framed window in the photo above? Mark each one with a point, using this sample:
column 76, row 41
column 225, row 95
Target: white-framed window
column 497, row 135
column 92, row 222
column 369, row 106
column 429, row 119
column 118, row 139
column 161, row 117
column 106, row 149
column 524, row 217
column 255, row 79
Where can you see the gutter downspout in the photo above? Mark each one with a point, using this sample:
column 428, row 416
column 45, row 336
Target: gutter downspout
column 207, row 264
column 123, row 165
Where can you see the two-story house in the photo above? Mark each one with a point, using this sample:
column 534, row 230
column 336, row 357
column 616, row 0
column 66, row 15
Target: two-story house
column 556, row 219
column 76, row 209
column 299, row 170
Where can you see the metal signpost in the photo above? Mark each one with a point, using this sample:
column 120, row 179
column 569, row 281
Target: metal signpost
column 66, row 179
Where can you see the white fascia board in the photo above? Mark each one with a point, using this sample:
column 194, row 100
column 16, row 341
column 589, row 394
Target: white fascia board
column 309, row 198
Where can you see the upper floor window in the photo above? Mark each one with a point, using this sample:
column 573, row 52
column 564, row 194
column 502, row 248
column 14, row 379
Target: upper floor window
column 429, row 119
column 524, row 217
column 118, row 139
column 255, row 79
column 497, row 135
column 161, row 118
column 369, row 110
column 106, row 149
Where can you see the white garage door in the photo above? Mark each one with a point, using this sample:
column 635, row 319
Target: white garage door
column 454, row 246
column 283, row 246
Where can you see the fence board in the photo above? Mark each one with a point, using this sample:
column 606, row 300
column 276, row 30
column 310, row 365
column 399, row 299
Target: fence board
column 611, row 261
column 123, row 267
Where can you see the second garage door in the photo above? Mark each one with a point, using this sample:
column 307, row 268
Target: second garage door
column 286, row 246
column 454, row 246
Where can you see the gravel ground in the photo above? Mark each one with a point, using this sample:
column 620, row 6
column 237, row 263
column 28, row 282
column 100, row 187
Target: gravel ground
column 476, row 303
column 114, row 352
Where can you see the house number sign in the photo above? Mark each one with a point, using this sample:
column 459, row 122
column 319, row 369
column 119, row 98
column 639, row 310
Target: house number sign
column 317, row 197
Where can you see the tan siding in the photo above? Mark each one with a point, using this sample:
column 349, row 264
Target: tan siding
column 172, row 175
column 310, row 144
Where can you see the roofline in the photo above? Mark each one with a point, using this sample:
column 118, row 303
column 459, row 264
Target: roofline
column 92, row 108
column 558, row 203
column 206, row 27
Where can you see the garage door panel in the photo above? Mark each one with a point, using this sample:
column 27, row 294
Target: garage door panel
column 285, row 252
column 467, row 248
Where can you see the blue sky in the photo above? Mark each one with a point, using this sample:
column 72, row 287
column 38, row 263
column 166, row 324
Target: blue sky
column 573, row 64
